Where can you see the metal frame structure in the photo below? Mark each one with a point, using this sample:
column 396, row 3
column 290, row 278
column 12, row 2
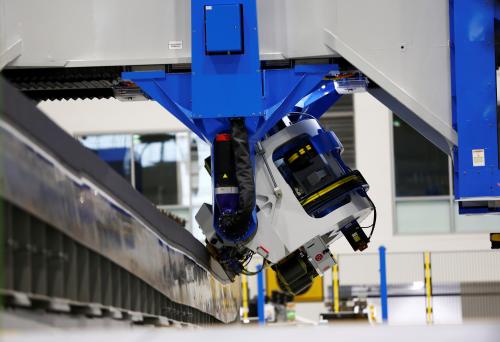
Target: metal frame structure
column 224, row 86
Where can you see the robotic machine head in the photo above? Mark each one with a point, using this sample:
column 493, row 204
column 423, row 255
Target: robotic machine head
column 306, row 197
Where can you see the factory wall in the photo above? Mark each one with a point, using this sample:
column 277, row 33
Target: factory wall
column 374, row 157
column 110, row 116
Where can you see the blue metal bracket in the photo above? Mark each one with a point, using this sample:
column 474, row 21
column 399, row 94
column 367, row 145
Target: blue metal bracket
column 283, row 90
column 319, row 101
column 300, row 81
column 474, row 100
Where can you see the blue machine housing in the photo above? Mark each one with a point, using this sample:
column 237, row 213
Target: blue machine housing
column 474, row 100
column 227, row 81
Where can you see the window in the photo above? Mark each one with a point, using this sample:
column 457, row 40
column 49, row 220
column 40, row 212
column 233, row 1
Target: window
column 424, row 190
column 421, row 168
column 113, row 149
column 163, row 175
column 340, row 120
column 167, row 169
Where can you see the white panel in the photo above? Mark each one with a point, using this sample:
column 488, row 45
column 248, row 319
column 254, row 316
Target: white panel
column 96, row 32
column 272, row 31
column 373, row 131
column 423, row 217
column 361, row 269
column 304, row 27
column 10, row 39
column 405, row 268
column 465, row 267
column 402, row 45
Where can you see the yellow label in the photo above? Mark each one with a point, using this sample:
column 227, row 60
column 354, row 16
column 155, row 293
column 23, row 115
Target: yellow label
column 356, row 237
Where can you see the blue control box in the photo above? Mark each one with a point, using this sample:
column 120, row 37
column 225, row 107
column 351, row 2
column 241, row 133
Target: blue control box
column 223, row 29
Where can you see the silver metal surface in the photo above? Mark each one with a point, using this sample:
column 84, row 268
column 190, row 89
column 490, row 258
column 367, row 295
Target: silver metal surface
column 402, row 46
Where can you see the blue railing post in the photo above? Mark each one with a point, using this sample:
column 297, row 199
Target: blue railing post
column 260, row 296
column 383, row 284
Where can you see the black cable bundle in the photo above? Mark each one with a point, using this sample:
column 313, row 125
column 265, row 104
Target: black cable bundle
column 237, row 224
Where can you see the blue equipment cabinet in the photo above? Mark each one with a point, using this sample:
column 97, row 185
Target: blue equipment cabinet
column 474, row 99
column 223, row 29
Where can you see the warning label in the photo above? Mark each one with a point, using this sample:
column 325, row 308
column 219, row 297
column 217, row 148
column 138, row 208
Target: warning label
column 478, row 159
column 175, row 45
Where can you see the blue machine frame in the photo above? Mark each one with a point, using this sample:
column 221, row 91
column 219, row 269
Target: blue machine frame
column 223, row 86
column 231, row 84
column 474, row 100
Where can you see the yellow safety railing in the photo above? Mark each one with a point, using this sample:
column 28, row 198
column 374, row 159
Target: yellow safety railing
column 428, row 287
column 244, row 286
column 336, row 299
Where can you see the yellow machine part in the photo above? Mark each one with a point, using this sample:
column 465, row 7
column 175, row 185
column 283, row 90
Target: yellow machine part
column 314, row 294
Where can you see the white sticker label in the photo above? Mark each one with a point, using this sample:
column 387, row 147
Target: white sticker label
column 478, row 159
column 175, row 45
column 208, row 8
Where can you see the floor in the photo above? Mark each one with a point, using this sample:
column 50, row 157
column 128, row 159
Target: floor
column 481, row 332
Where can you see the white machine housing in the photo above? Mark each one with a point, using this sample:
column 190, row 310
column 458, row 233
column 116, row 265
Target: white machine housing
column 283, row 224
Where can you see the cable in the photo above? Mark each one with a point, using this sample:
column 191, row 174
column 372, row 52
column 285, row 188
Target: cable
column 372, row 226
column 248, row 273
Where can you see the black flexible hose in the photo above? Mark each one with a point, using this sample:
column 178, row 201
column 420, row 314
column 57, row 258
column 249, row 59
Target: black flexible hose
column 238, row 224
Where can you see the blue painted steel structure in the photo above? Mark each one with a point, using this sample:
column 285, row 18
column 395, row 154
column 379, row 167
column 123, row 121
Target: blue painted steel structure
column 281, row 93
column 227, row 82
column 261, row 302
column 319, row 101
column 474, row 101
column 383, row 284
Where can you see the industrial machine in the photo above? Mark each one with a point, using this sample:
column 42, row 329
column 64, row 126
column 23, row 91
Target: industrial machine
column 280, row 187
